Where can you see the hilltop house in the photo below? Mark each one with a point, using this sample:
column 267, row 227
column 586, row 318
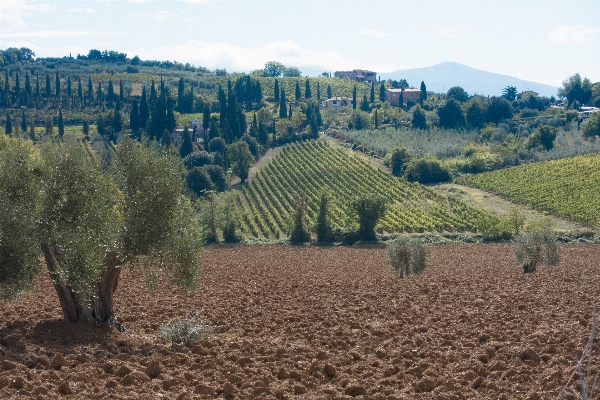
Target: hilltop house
column 336, row 102
column 409, row 94
column 358, row 75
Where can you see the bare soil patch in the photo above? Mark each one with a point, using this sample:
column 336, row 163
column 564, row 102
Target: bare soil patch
column 323, row 323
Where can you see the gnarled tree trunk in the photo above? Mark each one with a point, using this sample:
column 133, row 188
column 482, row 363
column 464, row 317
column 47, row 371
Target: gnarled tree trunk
column 529, row 267
column 77, row 309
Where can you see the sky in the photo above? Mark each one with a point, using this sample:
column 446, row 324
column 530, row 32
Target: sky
column 540, row 41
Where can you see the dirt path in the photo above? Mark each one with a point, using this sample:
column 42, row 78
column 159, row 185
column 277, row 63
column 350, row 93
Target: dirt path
column 497, row 205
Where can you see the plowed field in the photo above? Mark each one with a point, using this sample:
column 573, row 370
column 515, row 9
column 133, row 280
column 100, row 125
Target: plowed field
column 307, row 322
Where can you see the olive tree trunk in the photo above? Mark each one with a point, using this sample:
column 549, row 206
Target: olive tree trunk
column 100, row 310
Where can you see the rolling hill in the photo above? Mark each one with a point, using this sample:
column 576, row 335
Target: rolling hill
column 440, row 77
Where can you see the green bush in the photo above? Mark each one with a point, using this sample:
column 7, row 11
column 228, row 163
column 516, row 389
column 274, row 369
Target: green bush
column 427, row 169
column 183, row 331
column 538, row 245
column 369, row 209
column 591, row 127
column 396, row 159
column 407, row 256
column 299, row 232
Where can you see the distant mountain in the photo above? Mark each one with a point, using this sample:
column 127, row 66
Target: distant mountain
column 441, row 77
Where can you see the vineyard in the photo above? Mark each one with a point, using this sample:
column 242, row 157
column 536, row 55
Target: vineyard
column 567, row 187
column 308, row 168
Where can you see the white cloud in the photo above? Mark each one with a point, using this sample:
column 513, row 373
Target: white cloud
column 79, row 9
column 55, row 33
column 452, row 33
column 196, row 1
column 236, row 58
column 13, row 11
column 374, row 33
column 575, row 33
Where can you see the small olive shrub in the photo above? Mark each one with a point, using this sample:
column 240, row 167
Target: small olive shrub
column 538, row 245
column 407, row 256
column 183, row 331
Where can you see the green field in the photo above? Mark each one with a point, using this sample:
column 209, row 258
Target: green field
column 307, row 168
column 569, row 187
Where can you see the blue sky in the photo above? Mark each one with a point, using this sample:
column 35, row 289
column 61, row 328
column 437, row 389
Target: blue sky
column 541, row 41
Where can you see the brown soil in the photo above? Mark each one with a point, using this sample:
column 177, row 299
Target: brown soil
column 308, row 322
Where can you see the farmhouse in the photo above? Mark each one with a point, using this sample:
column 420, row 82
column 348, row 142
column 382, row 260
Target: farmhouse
column 358, row 75
column 409, row 94
column 336, row 102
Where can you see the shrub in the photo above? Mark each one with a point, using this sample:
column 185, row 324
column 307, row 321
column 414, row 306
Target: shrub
column 542, row 138
column 183, row 331
column 592, row 126
column 369, row 209
column 427, row 169
column 407, row 256
column 199, row 181
column 230, row 225
column 537, row 245
column 396, row 159
column 197, row 159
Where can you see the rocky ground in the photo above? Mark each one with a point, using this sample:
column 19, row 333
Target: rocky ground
column 326, row 323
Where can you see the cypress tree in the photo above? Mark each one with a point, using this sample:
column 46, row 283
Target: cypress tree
column 376, row 120
column 258, row 94
column 324, row 231
column 423, row 95
column 90, row 92
column 8, row 127
column 263, row 137
column 17, row 87
column 372, row 92
column 186, row 145
column 27, row 85
column 354, row 98
column 152, row 93
column 298, row 93
column 282, row 105
column 157, row 119
column 144, row 110
column 222, row 106
column 48, row 90
column 318, row 92
column 381, row 92
column 69, row 86
column 37, row 86
column 79, row 90
column 276, row 90
column 99, row 93
column 32, row 130
column 290, row 112
column 121, row 94
column 307, row 92
column 170, row 118
column 61, row 124
column 364, row 104
column 180, row 93
column 329, row 94
column 110, row 92
column 162, row 87
column 134, row 116
column 23, row 121
column 206, row 118
column 165, row 140
column 117, row 122
column 6, row 81
column 232, row 115
column 57, row 85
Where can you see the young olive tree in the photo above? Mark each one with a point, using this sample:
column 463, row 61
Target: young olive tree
column 537, row 245
column 89, row 223
column 407, row 256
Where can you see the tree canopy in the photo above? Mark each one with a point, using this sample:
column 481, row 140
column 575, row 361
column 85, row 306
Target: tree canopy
column 576, row 89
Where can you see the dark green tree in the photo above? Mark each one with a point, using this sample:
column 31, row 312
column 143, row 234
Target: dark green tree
column 298, row 93
column 423, row 94
column 419, row 121
column 121, row 91
column 23, row 121
column 27, row 85
column 69, row 93
column 307, row 92
column 498, row 109
column 61, row 124
column 144, row 109
column 165, row 140
column 117, row 120
column 17, row 87
column 241, row 159
column 354, row 98
column 457, row 93
column 37, row 87
column 90, row 93
column 381, row 92
column 376, row 120
column 509, row 93
column 369, row 210
column 79, row 89
column 180, row 94
column 57, row 85
column 477, row 111
column 163, row 92
column 276, row 90
column 290, row 111
column 323, row 226
column 282, row 105
column 206, row 121
column 8, row 126
column 451, row 115
column 397, row 159
column 110, row 92
column 274, row 68
column 152, row 93
column 372, row 98
column 186, row 147
column 99, row 95
column 318, row 92
column 48, row 89
column 300, row 233
column 170, row 122
column 199, row 181
column 157, row 120
column 364, row 104
column 329, row 94
column 576, row 89
column 134, row 116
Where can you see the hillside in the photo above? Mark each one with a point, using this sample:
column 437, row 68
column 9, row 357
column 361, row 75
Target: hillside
column 441, row 77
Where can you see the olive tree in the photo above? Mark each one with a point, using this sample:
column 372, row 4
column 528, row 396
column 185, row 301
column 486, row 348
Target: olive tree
column 90, row 222
column 538, row 245
column 407, row 256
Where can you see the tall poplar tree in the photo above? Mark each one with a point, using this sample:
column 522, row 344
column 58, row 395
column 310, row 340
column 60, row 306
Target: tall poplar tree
column 307, row 92
column 276, row 90
column 144, row 109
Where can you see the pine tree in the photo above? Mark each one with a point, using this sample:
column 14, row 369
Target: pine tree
column 90, row 93
column 121, row 91
column 372, row 92
column 61, row 124
column 8, row 127
column 110, row 92
column 329, row 94
column 134, row 116
column 307, row 92
column 318, row 92
column 69, row 86
column 23, row 121
column 144, row 109
column 186, row 145
column 354, row 98
column 276, row 90
column 298, row 93
column 57, row 85
column 48, row 89
column 180, row 93
column 381, row 92
column 282, row 105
